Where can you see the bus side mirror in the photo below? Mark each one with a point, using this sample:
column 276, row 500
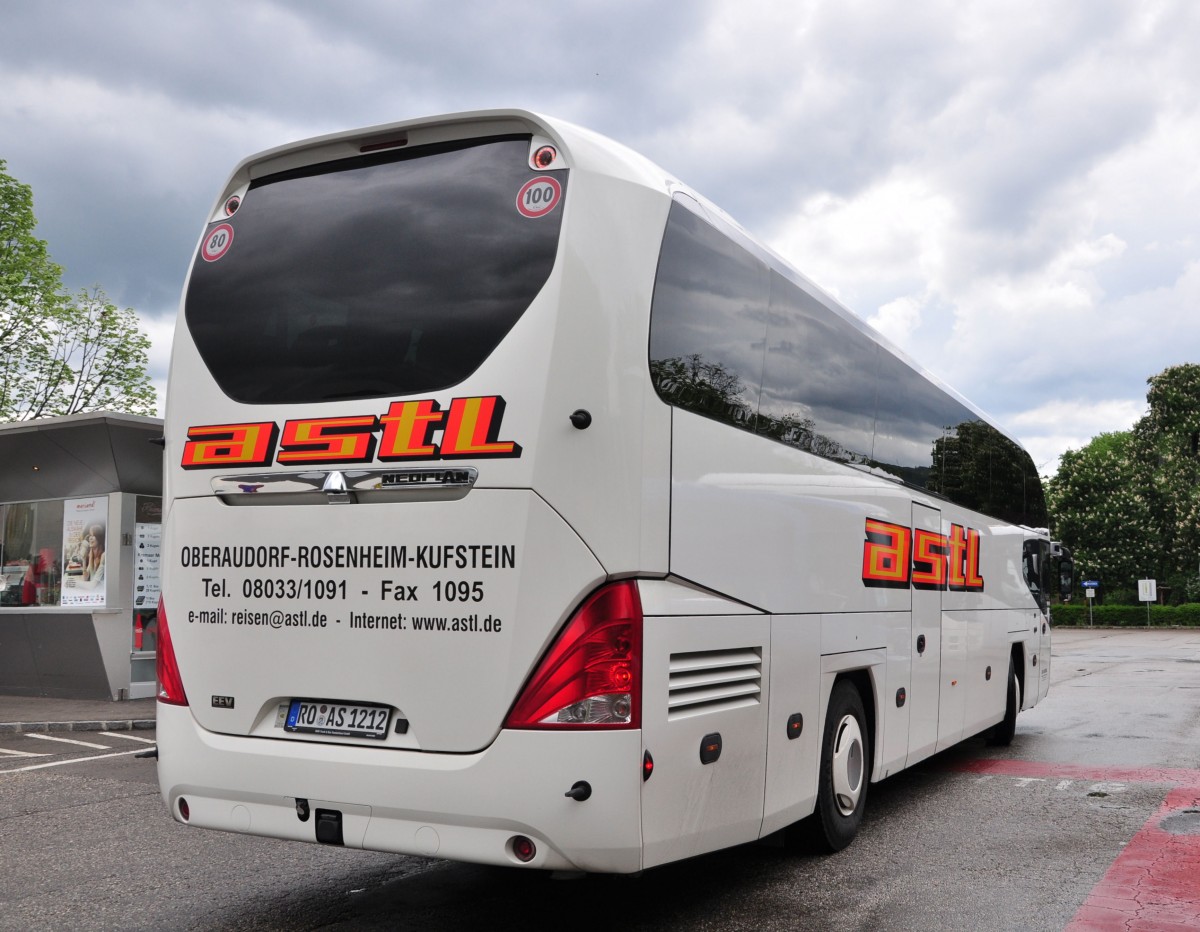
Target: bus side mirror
column 1066, row 578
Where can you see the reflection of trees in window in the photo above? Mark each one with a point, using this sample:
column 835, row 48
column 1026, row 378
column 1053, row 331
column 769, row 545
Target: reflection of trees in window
column 706, row 388
column 714, row 391
column 799, row 431
column 978, row 467
column 972, row 464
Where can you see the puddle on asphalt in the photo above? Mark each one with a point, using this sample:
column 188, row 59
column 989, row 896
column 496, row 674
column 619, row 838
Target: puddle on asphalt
column 1186, row 822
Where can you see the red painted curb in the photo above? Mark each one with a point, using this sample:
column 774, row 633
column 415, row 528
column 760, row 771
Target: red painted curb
column 1154, row 884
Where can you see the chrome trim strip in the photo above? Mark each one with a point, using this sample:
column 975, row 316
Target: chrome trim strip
column 339, row 484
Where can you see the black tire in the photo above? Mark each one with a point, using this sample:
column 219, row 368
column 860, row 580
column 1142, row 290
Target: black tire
column 1002, row 733
column 845, row 771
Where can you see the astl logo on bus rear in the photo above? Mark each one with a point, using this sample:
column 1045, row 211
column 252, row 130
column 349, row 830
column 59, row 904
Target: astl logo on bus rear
column 470, row 427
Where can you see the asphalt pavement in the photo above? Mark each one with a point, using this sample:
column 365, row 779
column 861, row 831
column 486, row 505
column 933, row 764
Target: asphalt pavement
column 39, row 713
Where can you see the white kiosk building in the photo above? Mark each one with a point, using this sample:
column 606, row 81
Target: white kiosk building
column 80, row 515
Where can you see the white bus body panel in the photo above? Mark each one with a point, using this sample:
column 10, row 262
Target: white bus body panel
column 796, row 689
column 368, row 647
column 457, row 806
column 782, row 530
column 689, row 807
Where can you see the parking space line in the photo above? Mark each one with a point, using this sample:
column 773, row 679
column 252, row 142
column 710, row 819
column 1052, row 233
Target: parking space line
column 82, row 744
column 22, row 753
column 74, row 760
column 121, row 734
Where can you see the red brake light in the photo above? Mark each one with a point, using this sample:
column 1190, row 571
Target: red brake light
column 170, row 684
column 592, row 674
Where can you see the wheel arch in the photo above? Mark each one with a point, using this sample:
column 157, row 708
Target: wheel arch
column 1017, row 654
column 863, row 681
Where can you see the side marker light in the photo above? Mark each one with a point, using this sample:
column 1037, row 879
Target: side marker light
column 710, row 748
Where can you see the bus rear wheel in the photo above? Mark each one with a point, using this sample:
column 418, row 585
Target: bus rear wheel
column 845, row 770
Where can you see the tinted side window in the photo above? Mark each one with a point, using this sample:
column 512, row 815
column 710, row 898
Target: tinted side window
column 734, row 340
column 819, row 382
column 708, row 321
column 914, row 414
column 933, row 441
column 980, row 468
column 374, row 276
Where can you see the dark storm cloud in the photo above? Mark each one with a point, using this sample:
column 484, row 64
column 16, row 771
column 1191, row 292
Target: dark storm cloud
column 987, row 181
column 168, row 97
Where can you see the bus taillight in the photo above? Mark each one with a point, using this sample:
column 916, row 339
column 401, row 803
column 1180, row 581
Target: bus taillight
column 170, row 683
column 592, row 675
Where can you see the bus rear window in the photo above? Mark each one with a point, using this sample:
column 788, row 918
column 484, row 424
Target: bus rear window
column 375, row 276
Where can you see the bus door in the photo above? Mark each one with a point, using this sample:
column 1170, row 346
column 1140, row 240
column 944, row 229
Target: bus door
column 1038, row 576
column 924, row 695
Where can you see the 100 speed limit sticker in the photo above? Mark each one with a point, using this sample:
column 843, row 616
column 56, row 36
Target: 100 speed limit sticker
column 539, row 196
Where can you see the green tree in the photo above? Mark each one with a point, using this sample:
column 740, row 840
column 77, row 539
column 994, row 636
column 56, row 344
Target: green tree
column 60, row 354
column 1167, row 450
column 1102, row 512
column 30, row 289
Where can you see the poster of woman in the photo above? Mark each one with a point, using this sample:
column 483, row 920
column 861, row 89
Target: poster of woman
column 85, row 528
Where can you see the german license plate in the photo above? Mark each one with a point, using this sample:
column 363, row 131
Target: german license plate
column 351, row 720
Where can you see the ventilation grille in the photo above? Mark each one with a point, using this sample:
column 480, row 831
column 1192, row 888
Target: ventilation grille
column 713, row 680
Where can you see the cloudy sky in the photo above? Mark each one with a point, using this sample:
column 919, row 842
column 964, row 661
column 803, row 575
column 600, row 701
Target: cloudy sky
column 1009, row 190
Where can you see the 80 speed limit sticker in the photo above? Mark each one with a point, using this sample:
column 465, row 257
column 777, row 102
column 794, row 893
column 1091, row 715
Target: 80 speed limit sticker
column 217, row 243
column 539, row 196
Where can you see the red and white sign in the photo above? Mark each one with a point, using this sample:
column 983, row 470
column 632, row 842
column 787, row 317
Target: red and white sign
column 539, row 196
column 217, row 243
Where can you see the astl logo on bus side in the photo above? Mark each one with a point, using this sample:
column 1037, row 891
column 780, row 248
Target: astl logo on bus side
column 470, row 427
column 896, row 556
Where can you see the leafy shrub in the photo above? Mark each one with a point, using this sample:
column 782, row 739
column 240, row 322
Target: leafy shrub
column 1075, row 614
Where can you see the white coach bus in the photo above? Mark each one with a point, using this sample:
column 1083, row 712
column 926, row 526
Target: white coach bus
column 521, row 509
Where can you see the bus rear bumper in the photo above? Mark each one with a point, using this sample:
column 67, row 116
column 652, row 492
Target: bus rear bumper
column 466, row 807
